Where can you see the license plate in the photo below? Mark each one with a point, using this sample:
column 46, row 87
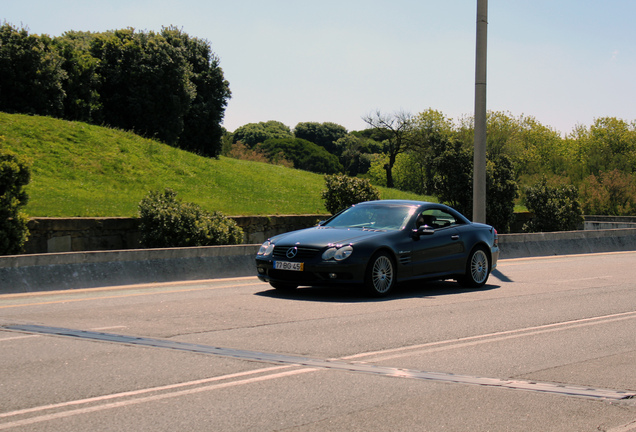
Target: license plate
column 285, row 265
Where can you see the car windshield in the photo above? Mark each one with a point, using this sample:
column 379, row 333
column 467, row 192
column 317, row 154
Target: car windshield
column 375, row 217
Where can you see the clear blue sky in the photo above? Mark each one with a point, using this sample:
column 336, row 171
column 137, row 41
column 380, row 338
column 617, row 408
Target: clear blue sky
column 564, row 62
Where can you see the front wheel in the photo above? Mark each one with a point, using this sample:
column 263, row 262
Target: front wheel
column 380, row 277
column 477, row 269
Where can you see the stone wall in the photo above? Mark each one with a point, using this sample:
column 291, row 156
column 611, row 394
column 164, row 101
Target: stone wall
column 51, row 235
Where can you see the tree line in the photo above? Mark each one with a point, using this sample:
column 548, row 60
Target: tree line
column 169, row 86
column 590, row 170
column 165, row 85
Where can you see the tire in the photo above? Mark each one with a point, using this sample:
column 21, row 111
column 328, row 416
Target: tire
column 381, row 275
column 282, row 286
column 477, row 269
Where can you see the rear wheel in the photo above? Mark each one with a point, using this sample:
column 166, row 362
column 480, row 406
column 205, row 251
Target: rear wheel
column 477, row 269
column 380, row 277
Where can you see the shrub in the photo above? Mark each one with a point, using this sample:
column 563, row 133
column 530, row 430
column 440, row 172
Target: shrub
column 555, row 208
column 165, row 221
column 305, row 155
column 14, row 176
column 343, row 191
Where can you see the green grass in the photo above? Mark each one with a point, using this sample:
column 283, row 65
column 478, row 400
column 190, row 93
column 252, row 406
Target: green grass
column 84, row 170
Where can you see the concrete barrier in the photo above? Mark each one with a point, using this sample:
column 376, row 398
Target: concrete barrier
column 566, row 243
column 57, row 271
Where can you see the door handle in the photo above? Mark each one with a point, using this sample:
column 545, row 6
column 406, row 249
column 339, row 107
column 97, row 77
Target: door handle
column 455, row 237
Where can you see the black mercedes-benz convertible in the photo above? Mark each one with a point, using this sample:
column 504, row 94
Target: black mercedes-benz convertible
column 380, row 243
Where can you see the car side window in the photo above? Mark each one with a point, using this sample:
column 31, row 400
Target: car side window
column 435, row 219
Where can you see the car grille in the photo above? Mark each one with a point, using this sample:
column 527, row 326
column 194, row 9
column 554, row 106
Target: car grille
column 303, row 253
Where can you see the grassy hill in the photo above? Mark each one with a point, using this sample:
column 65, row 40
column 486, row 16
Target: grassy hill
column 84, row 170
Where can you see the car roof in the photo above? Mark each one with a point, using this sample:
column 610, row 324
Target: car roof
column 399, row 202
column 415, row 203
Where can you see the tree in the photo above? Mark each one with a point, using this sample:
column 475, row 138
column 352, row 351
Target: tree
column 609, row 193
column 501, row 192
column 397, row 128
column 14, row 176
column 145, row 83
column 31, row 74
column 323, row 134
column 451, row 177
column 202, row 131
column 356, row 153
column 82, row 99
column 555, row 208
column 252, row 134
column 608, row 144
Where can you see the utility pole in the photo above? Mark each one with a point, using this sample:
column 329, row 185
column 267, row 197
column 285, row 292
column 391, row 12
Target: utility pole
column 479, row 167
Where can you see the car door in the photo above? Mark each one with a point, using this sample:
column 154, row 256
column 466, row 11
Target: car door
column 440, row 247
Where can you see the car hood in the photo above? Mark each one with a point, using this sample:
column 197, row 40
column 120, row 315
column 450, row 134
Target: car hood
column 323, row 236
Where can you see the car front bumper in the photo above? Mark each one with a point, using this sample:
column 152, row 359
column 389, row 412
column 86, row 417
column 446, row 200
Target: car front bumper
column 313, row 273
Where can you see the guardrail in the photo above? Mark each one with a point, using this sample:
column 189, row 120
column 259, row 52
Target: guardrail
column 73, row 270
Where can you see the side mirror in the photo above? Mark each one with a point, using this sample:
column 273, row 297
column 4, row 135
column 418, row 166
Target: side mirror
column 423, row 230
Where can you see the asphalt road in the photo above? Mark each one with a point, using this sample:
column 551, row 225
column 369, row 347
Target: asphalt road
column 548, row 345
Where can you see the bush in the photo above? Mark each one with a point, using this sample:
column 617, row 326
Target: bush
column 14, row 176
column 305, row 155
column 343, row 192
column 555, row 208
column 165, row 221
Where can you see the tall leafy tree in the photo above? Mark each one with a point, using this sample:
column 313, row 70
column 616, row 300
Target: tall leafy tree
column 31, row 75
column 397, row 128
column 146, row 83
column 82, row 99
column 202, row 122
column 501, row 192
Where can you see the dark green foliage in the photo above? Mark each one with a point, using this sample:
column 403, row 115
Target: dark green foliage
column 82, row 100
column 555, row 208
column 145, row 83
column 501, row 192
column 451, row 179
column 304, row 154
column 343, row 191
column 202, row 122
column 356, row 153
column 451, row 174
column 165, row 221
column 31, row 73
column 252, row 134
column 323, row 134
column 14, row 176
column 164, row 85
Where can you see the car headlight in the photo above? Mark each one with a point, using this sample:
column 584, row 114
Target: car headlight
column 266, row 248
column 337, row 253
